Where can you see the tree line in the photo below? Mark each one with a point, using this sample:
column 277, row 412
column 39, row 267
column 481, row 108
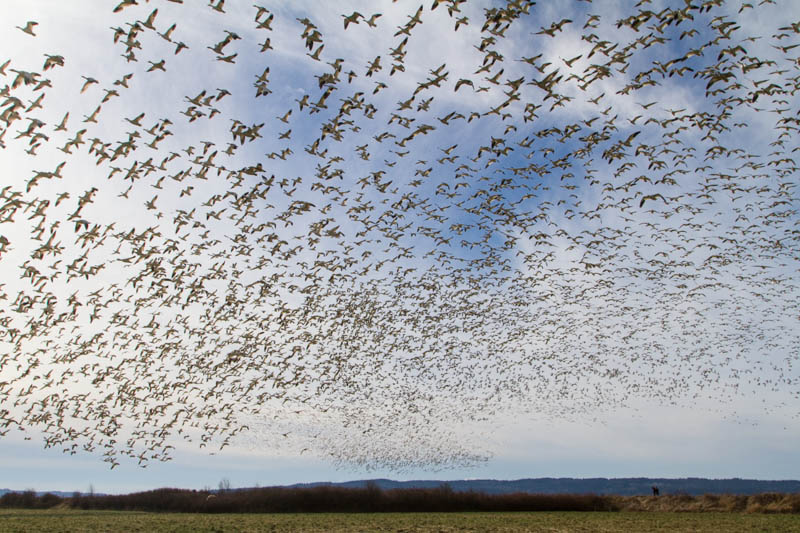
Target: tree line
column 373, row 499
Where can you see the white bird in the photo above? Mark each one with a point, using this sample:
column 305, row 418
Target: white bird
column 29, row 27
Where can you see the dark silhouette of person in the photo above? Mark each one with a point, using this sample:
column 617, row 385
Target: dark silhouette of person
column 655, row 490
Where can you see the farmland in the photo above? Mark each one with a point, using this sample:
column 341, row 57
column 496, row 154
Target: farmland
column 65, row 520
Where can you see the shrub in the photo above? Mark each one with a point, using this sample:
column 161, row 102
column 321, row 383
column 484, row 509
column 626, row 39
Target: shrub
column 29, row 500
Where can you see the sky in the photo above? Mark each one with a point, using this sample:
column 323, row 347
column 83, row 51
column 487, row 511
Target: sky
column 477, row 239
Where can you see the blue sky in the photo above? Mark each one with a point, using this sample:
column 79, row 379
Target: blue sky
column 583, row 262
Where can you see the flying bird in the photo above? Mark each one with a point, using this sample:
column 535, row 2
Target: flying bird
column 28, row 28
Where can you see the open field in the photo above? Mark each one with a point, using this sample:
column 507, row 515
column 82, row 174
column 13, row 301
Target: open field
column 64, row 521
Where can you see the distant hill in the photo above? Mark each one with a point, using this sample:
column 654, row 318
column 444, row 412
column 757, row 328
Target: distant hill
column 620, row 486
column 59, row 493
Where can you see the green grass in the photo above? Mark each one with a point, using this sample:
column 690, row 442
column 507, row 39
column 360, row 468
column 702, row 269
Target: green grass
column 64, row 521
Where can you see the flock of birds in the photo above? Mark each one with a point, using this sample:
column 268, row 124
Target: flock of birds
column 273, row 230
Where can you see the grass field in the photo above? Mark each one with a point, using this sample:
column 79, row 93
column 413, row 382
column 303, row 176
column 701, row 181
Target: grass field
column 64, row 521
